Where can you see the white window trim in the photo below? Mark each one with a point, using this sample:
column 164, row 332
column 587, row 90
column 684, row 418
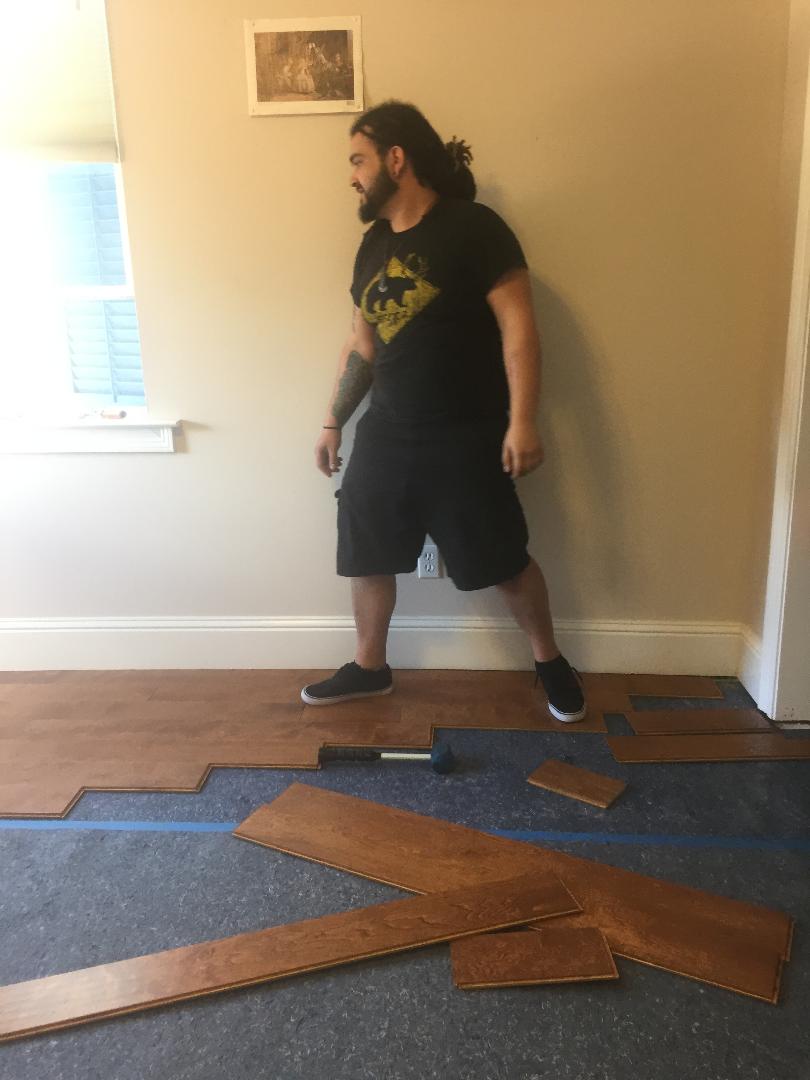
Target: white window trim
column 133, row 434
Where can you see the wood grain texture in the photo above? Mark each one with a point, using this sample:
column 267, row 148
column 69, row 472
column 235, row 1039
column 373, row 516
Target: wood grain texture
column 696, row 721
column 505, row 717
column 679, row 686
column 674, row 927
column 690, row 748
column 65, row 733
column 577, row 783
column 607, row 692
column 143, row 982
column 51, row 723
column 531, row 958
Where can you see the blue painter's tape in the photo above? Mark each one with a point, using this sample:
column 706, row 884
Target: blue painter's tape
column 123, row 826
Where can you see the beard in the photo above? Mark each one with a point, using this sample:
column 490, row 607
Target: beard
column 377, row 196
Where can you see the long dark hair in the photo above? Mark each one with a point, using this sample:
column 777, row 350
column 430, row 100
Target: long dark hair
column 445, row 167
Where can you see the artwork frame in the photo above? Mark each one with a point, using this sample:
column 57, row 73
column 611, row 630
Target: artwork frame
column 301, row 66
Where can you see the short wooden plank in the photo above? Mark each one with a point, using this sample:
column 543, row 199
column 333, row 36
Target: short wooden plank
column 696, row 721
column 717, row 940
column 610, row 692
column 577, row 783
column 749, row 747
column 532, row 958
column 699, row 686
column 143, row 982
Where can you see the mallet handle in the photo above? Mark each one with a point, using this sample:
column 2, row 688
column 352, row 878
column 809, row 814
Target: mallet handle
column 390, row 756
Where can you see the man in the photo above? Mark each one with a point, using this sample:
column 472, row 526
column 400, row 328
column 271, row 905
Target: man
column 443, row 333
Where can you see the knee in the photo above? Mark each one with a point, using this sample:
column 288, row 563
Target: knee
column 514, row 584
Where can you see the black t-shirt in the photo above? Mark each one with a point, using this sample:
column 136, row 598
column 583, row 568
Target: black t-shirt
column 438, row 347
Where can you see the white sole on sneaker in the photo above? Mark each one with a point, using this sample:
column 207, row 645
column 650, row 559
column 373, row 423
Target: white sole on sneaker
column 567, row 718
column 308, row 700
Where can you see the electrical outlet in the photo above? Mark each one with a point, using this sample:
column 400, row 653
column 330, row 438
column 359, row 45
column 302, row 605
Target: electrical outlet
column 428, row 565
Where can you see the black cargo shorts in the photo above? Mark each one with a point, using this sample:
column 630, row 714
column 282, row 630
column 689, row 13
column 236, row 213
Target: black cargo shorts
column 443, row 479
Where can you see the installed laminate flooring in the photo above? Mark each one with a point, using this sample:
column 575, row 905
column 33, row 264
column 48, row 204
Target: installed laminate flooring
column 577, row 783
column 63, row 733
column 751, row 746
column 529, row 958
column 696, row 721
column 724, row 942
column 144, row 982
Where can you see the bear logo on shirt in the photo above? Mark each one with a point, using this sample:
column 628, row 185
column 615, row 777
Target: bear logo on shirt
column 408, row 293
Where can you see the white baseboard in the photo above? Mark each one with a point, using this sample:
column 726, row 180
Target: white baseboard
column 750, row 670
column 675, row 648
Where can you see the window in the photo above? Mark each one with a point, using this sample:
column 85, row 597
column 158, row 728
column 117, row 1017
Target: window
column 68, row 327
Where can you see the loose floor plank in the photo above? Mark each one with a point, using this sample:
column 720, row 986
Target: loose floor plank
column 727, row 943
column 59, row 1001
column 696, row 721
column 690, row 748
column 577, row 783
column 531, row 958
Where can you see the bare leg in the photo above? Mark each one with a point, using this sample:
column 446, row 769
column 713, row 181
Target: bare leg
column 373, row 600
column 527, row 597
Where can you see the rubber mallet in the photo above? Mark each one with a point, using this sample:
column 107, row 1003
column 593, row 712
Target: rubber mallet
column 440, row 757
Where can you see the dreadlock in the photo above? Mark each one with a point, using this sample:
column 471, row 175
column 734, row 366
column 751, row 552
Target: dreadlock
column 445, row 167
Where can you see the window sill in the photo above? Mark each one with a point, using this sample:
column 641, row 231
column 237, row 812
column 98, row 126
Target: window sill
column 136, row 435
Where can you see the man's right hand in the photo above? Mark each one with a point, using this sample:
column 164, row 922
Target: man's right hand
column 327, row 459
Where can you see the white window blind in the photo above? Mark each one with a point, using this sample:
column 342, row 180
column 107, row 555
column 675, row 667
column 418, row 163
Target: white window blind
column 56, row 97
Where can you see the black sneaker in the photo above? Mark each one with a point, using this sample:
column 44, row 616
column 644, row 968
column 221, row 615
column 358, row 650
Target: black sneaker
column 563, row 688
column 350, row 681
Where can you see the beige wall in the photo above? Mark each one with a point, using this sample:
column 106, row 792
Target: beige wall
column 636, row 150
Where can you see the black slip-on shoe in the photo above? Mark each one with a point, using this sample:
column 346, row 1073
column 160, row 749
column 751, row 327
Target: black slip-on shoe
column 563, row 687
column 350, row 681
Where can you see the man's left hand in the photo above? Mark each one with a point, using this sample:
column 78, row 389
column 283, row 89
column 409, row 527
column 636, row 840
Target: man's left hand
column 522, row 449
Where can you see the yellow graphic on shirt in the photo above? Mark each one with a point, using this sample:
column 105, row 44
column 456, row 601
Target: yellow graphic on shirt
column 407, row 293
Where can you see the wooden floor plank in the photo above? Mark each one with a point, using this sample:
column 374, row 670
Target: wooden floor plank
column 577, row 783
column 211, row 710
column 532, row 958
column 606, row 693
column 696, row 721
column 674, row 927
column 28, row 677
column 679, row 686
column 489, row 700
column 151, row 721
column 502, row 717
column 22, row 797
column 690, row 748
column 75, row 997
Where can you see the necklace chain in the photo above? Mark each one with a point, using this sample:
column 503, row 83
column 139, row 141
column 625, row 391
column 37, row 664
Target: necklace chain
column 382, row 285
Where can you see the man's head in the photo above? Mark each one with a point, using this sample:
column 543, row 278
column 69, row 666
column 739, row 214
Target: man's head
column 372, row 176
column 393, row 144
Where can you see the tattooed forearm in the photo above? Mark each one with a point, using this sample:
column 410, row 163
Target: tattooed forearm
column 354, row 382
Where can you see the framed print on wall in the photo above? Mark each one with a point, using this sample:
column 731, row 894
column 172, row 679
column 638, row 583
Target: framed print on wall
column 304, row 65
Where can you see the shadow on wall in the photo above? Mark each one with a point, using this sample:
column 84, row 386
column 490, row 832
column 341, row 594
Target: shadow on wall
column 579, row 504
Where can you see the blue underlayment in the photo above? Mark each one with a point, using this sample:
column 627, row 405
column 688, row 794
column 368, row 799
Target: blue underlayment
column 127, row 874
column 756, row 843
